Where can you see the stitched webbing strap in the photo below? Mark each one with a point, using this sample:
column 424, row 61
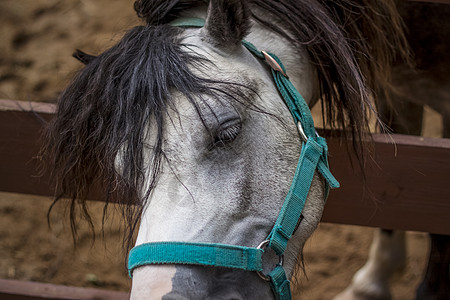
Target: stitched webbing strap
column 290, row 213
column 313, row 156
column 299, row 110
column 216, row 255
column 188, row 22
column 280, row 284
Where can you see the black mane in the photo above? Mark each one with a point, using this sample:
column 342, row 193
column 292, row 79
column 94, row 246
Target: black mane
column 353, row 45
column 104, row 114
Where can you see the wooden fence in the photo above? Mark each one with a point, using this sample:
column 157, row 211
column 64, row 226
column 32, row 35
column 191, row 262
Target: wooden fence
column 405, row 187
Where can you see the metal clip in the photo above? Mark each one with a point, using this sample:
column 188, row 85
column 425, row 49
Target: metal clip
column 273, row 63
column 302, row 133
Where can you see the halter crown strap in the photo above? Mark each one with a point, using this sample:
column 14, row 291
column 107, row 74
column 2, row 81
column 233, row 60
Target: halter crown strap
column 313, row 156
column 188, row 22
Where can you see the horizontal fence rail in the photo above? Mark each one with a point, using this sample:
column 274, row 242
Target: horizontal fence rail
column 26, row 290
column 405, row 187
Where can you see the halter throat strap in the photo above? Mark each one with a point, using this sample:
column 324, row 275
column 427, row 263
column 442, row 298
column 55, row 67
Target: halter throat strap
column 313, row 156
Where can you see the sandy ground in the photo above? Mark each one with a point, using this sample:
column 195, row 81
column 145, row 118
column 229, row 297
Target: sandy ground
column 38, row 38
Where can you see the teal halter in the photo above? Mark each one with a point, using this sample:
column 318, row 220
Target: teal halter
column 313, row 156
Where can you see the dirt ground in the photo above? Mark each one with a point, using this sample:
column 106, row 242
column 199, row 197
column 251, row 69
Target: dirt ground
column 38, row 38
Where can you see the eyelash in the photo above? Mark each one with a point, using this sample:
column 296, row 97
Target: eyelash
column 227, row 134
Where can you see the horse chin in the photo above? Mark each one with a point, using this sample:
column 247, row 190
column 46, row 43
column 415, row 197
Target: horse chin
column 197, row 282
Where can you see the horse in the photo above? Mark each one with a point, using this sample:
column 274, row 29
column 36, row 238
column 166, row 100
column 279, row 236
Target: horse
column 425, row 82
column 185, row 128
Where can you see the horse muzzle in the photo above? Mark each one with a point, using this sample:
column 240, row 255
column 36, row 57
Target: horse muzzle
column 182, row 282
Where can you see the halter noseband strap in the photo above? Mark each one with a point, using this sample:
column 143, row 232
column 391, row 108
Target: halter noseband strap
column 313, row 156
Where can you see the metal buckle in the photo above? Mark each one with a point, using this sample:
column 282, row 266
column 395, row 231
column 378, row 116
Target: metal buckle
column 262, row 246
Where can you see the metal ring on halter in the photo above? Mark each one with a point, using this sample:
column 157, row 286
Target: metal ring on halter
column 302, row 133
column 280, row 262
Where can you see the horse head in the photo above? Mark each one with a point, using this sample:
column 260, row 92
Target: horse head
column 229, row 160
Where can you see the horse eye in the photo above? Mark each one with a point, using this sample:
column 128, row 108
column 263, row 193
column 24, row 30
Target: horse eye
column 227, row 133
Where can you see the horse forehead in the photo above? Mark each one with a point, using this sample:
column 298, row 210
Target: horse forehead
column 238, row 59
column 242, row 64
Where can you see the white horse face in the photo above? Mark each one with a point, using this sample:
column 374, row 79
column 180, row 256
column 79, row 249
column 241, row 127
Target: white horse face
column 224, row 178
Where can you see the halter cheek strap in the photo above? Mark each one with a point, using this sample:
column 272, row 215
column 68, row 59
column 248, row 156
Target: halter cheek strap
column 313, row 156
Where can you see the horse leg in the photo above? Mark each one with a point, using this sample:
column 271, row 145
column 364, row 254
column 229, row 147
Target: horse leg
column 387, row 255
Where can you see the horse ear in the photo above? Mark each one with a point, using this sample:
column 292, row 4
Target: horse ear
column 227, row 22
column 83, row 57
